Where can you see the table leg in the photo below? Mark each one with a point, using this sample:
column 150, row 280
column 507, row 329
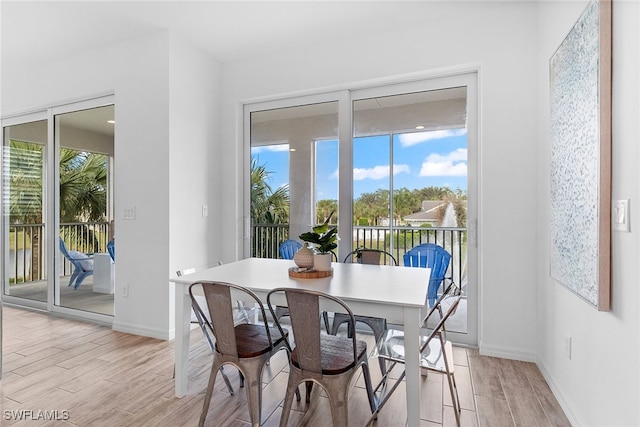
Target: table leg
column 183, row 330
column 412, row 364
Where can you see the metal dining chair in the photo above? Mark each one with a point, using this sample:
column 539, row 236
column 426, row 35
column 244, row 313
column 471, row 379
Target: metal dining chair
column 327, row 360
column 198, row 318
column 436, row 353
column 377, row 324
column 246, row 346
column 371, row 256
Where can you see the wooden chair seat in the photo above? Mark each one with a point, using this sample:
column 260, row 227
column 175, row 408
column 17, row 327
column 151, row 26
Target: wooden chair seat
column 337, row 354
column 252, row 339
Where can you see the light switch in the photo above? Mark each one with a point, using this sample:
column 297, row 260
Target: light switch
column 620, row 220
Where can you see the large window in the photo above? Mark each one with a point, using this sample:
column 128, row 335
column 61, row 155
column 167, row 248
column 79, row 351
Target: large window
column 284, row 155
column 393, row 162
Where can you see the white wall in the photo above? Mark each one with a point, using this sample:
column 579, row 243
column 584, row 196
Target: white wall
column 138, row 73
column 500, row 37
column 599, row 386
column 194, row 171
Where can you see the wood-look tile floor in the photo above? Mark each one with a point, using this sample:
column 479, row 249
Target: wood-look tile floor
column 82, row 374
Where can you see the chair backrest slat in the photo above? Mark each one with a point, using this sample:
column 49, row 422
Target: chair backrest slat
column 306, row 327
column 220, row 320
column 219, row 304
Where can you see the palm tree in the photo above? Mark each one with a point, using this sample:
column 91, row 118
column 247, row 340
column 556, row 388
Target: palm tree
column 25, row 166
column 83, row 186
column 83, row 189
column 267, row 206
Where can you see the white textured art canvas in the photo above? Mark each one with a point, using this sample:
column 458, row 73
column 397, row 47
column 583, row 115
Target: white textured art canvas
column 575, row 158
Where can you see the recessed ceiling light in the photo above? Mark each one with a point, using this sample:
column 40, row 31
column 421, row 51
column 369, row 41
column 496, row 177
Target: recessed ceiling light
column 419, row 127
column 111, row 121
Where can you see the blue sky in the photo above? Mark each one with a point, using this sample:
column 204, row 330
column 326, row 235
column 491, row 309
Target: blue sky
column 420, row 159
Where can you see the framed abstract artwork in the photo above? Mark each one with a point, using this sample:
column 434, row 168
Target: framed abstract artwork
column 580, row 134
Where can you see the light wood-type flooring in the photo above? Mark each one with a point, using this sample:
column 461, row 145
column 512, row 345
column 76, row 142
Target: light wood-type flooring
column 88, row 375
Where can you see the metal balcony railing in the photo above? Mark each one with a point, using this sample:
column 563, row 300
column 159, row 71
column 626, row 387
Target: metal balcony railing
column 397, row 240
column 27, row 249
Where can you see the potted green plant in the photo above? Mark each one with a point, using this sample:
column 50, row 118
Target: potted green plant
column 324, row 238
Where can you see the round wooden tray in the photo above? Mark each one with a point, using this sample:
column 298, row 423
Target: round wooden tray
column 308, row 274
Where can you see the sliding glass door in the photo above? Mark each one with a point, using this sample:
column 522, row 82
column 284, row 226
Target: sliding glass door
column 57, row 209
column 85, row 142
column 396, row 163
column 24, row 216
column 293, row 171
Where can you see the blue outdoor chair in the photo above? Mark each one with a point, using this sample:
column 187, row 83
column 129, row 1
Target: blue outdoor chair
column 288, row 248
column 435, row 257
column 82, row 265
column 111, row 248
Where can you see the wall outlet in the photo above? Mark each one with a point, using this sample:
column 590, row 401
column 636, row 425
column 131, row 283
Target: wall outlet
column 567, row 346
column 125, row 290
column 205, row 211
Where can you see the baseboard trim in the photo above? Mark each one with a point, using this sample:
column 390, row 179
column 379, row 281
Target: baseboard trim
column 161, row 334
column 507, row 353
column 562, row 401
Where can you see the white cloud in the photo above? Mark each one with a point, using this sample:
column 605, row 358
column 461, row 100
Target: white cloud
column 409, row 139
column 271, row 148
column 451, row 164
column 378, row 172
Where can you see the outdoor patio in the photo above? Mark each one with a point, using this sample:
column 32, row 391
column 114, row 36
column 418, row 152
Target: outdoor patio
column 83, row 298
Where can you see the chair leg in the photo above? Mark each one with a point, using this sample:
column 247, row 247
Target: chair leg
column 386, row 394
column 73, row 277
column 225, row 378
column 253, row 369
column 369, row 388
column 325, row 317
column 288, row 401
column 338, row 394
column 215, row 366
column 309, row 389
column 455, row 399
column 336, row 326
column 80, row 278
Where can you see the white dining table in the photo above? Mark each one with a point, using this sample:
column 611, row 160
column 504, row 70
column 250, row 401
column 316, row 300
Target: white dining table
column 395, row 293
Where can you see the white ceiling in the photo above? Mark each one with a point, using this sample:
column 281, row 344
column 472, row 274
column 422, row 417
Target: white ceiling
column 41, row 31
column 38, row 32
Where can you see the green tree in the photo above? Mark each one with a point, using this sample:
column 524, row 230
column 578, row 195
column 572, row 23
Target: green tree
column 83, row 186
column 372, row 205
column 324, row 209
column 267, row 206
column 83, row 194
column 405, row 203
